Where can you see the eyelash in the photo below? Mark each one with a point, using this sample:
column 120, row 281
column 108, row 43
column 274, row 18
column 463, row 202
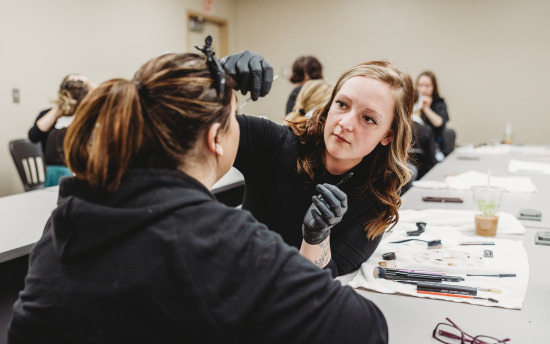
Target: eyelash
column 343, row 105
column 369, row 119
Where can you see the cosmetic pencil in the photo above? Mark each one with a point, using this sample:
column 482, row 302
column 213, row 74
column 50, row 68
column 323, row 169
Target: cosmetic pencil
column 345, row 179
column 394, row 274
column 470, row 243
column 492, row 275
column 490, row 290
column 457, row 295
column 250, row 98
column 442, row 288
column 423, row 272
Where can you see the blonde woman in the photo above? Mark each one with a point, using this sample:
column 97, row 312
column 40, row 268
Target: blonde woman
column 364, row 128
column 73, row 88
column 51, row 125
column 313, row 95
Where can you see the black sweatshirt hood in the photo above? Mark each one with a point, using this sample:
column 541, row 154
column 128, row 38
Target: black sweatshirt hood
column 86, row 222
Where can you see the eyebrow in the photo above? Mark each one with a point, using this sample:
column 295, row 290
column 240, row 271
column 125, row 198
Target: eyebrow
column 369, row 111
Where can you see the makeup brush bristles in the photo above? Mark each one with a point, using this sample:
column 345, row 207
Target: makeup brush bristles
column 491, row 290
column 379, row 272
column 435, row 244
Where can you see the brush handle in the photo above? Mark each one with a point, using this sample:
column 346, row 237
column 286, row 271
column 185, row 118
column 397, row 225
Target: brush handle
column 491, row 275
column 446, row 288
column 457, row 295
column 444, row 294
column 395, row 274
column 345, row 179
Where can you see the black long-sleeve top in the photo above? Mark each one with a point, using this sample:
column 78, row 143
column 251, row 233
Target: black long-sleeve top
column 37, row 135
column 277, row 196
column 439, row 107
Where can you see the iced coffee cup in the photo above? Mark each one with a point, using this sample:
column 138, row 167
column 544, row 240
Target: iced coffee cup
column 487, row 201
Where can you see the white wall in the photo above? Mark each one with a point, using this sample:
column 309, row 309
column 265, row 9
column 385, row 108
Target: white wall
column 491, row 57
column 42, row 41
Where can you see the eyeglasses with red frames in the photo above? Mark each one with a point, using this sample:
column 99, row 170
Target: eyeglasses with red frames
column 452, row 334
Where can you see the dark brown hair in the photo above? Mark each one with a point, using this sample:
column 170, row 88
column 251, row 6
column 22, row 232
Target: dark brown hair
column 385, row 168
column 306, row 66
column 153, row 120
column 431, row 75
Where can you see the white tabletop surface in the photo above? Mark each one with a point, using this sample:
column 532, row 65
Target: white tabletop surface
column 24, row 216
column 412, row 319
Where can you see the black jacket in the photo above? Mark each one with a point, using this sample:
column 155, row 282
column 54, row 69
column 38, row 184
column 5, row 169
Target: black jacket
column 161, row 261
column 439, row 107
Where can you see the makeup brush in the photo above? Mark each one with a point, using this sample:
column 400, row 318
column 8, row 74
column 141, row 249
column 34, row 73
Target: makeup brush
column 432, row 244
column 393, row 274
column 492, row 275
column 492, row 290
column 458, row 295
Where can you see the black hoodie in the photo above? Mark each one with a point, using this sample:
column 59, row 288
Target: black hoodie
column 161, row 261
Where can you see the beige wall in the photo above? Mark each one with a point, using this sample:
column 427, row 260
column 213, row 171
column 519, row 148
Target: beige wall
column 491, row 56
column 42, row 41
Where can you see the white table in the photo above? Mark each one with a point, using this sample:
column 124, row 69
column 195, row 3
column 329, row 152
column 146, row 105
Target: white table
column 412, row 319
column 24, row 215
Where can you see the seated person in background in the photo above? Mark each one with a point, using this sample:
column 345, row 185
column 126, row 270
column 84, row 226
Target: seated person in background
column 140, row 251
column 50, row 126
column 313, row 95
column 364, row 128
column 304, row 68
column 423, row 154
column 434, row 110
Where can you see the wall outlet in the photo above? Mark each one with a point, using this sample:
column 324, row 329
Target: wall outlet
column 16, row 96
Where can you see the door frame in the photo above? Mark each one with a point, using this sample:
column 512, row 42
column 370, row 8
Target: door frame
column 222, row 23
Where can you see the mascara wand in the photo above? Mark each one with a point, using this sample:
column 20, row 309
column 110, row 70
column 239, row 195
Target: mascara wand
column 432, row 244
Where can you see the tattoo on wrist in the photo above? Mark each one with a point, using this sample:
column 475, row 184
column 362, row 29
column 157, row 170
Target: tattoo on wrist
column 324, row 259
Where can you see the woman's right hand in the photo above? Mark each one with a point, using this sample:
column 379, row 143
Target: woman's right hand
column 327, row 210
column 251, row 72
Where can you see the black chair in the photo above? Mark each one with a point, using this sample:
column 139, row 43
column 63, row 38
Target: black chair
column 29, row 160
column 447, row 141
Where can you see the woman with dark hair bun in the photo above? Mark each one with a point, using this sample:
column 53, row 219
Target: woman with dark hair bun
column 140, row 251
column 304, row 68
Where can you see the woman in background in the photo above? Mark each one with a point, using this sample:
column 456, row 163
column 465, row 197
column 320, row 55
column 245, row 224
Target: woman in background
column 72, row 90
column 140, row 251
column 313, row 95
column 51, row 124
column 304, row 68
column 434, row 110
column 364, row 128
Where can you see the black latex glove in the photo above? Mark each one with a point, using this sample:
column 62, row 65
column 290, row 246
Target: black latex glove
column 251, row 73
column 327, row 210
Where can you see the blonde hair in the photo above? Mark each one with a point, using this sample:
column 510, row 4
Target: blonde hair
column 385, row 169
column 71, row 93
column 314, row 94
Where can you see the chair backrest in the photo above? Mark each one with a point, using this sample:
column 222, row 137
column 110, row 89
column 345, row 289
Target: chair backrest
column 29, row 160
column 448, row 141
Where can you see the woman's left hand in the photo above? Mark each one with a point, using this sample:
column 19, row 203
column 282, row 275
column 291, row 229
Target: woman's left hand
column 327, row 210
